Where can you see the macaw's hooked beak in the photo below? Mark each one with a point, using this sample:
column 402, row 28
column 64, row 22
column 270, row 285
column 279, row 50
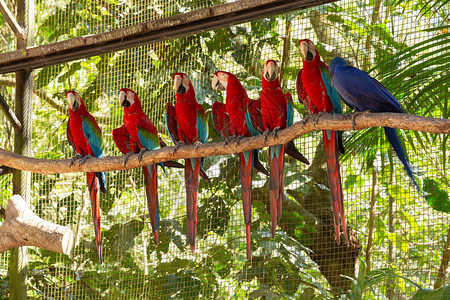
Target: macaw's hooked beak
column 216, row 84
column 178, row 85
column 73, row 103
column 123, row 101
column 271, row 73
column 306, row 52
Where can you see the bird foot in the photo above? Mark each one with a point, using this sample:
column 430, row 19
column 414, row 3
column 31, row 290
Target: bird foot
column 196, row 144
column 84, row 159
column 266, row 135
column 305, row 120
column 141, row 153
column 316, row 119
column 77, row 156
column 177, row 146
column 238, row 140
column 229, row 140
column 126, row 157
column 275, row 131
column 354, row 115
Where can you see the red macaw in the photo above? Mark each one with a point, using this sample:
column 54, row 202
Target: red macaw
column 137, row 135
column 85, row 137
column 315, row 91
column 276, row 113
column 187, row 124
column 233, row 115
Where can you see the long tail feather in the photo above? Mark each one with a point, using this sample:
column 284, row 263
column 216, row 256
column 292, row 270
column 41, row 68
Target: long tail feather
column 334, row 179
column 173, row 164
column 102, row 181
column 395, row 143
column 291, row 150
column 93, row 186
column 177, row 165
column 246, row 161
column 341, row 143
column 151, row 192
column 191, row 176
column 276, row 183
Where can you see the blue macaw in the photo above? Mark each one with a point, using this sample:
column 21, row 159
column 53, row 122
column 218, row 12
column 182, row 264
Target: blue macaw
column 362, row 92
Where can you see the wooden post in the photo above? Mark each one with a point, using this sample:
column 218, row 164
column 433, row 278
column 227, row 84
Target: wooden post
column 22, row 144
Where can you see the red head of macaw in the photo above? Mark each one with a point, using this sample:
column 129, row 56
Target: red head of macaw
column 85, row 137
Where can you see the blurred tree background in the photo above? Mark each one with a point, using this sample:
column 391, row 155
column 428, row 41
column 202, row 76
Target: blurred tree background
column 397, row 238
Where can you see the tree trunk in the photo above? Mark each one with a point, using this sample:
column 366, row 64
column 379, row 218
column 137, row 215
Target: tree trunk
column 333, row 260
column 444, row 263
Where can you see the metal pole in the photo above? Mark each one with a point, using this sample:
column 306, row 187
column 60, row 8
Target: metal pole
column 18, row 272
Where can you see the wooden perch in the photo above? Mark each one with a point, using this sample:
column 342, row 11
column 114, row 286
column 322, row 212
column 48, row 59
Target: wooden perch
column 23, row 228
column 320, row 122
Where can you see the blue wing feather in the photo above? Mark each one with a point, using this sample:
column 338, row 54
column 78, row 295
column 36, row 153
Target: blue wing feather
column 166, row 118
column 202, row 125
column 289, row 110
column 332, row 93
column 93, row 135
column 148, row 140
column 250, row 126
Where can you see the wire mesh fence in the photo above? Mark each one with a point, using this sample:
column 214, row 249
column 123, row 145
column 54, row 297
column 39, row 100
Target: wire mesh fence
column 404, row 47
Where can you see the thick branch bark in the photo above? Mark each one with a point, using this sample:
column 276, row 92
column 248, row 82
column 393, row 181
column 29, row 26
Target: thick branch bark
column 23, row 228
column 325, row 121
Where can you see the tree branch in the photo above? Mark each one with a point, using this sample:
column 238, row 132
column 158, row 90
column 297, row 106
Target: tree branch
column 9, row 113
column 11, row 20
column 23, row 228
column 311, row 123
